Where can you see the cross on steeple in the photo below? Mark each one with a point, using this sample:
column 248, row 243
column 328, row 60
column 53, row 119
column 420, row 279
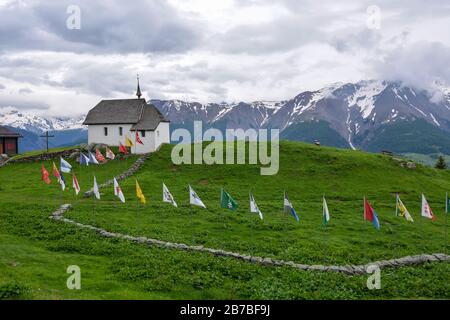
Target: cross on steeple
column 138, row 92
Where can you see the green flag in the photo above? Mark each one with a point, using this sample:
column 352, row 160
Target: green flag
column 227, row 202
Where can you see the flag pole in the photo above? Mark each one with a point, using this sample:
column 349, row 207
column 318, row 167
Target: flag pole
column 220, row 220
column 190, row 216
column 286, row 221
column 393, row 245
column 396, row 204
column 364, row 240
column 94, row 215
column 93, row 206
column 137, row 205
column 446, row 218
column 421, row 227
column 325, row 229
column 126, row 161
column 251, row 225
column 58, row 184
column 137, row 214
column 61, row 178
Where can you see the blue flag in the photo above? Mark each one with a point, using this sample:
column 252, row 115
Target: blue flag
column 289, row 208
column 83, row 159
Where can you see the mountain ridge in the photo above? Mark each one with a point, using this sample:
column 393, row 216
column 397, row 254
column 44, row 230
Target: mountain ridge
column 354, row 111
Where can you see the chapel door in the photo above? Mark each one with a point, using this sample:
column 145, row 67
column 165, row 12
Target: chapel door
column 1, row 146
column 10, row 146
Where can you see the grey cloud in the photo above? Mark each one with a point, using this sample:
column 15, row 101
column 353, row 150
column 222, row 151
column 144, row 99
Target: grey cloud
column 22, row 104
column 184, row 57
column 25, row 91
column 106, row 27
column 99, row 79
column 27, row 70
column 420, row 64
column 281, row 35
column 350, row 40
column 2, row 87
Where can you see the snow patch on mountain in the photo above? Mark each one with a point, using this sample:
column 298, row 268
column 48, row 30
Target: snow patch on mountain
column 434, row 120
column 38, row 123
column 364, row 98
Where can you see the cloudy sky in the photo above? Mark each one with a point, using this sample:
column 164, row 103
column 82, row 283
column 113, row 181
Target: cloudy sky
column 212, row 51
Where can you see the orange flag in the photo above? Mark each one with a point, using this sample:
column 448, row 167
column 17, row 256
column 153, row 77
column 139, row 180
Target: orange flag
column 45, row 175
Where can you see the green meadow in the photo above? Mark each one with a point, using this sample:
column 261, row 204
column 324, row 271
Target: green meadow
column 36, row 251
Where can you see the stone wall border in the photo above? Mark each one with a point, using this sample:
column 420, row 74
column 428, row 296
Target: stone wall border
column 352, row 270
column 132, row 170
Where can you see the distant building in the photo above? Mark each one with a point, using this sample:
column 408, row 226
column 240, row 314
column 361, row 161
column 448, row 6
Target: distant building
column 110, row 121
column 9, row 141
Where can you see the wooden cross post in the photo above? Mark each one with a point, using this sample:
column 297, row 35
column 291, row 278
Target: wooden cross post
column 46, row 136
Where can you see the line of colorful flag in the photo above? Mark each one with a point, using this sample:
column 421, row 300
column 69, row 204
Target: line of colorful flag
column 226, row 200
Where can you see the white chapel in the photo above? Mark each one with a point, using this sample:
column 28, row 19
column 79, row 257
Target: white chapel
column 110, row 121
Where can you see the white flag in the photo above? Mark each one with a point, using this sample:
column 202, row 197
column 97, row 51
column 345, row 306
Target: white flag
column 426, row 210
column 194, row 199
column 95, row 189
column 326, row 212
column 254, row 207
column 65, row 166
column 167, row 196
column 118, row 192
column 92, row 158
column 110, row 154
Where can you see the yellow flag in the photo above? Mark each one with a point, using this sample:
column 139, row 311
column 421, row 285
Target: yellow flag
column 128, row 142
column 139, row 193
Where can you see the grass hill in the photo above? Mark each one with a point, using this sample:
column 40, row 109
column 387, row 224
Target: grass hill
column 35, row 251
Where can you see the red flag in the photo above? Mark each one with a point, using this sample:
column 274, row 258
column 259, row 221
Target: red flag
column 370, row 214
column 45, row 175
column 99, row 156
column 122, row 148
column 75, row 184
column 138, row 140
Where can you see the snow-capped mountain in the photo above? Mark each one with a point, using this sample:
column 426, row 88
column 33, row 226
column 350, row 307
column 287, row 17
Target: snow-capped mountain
column 37, row 123
column 354, row 112
column 370, row 115
column 66, row 131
